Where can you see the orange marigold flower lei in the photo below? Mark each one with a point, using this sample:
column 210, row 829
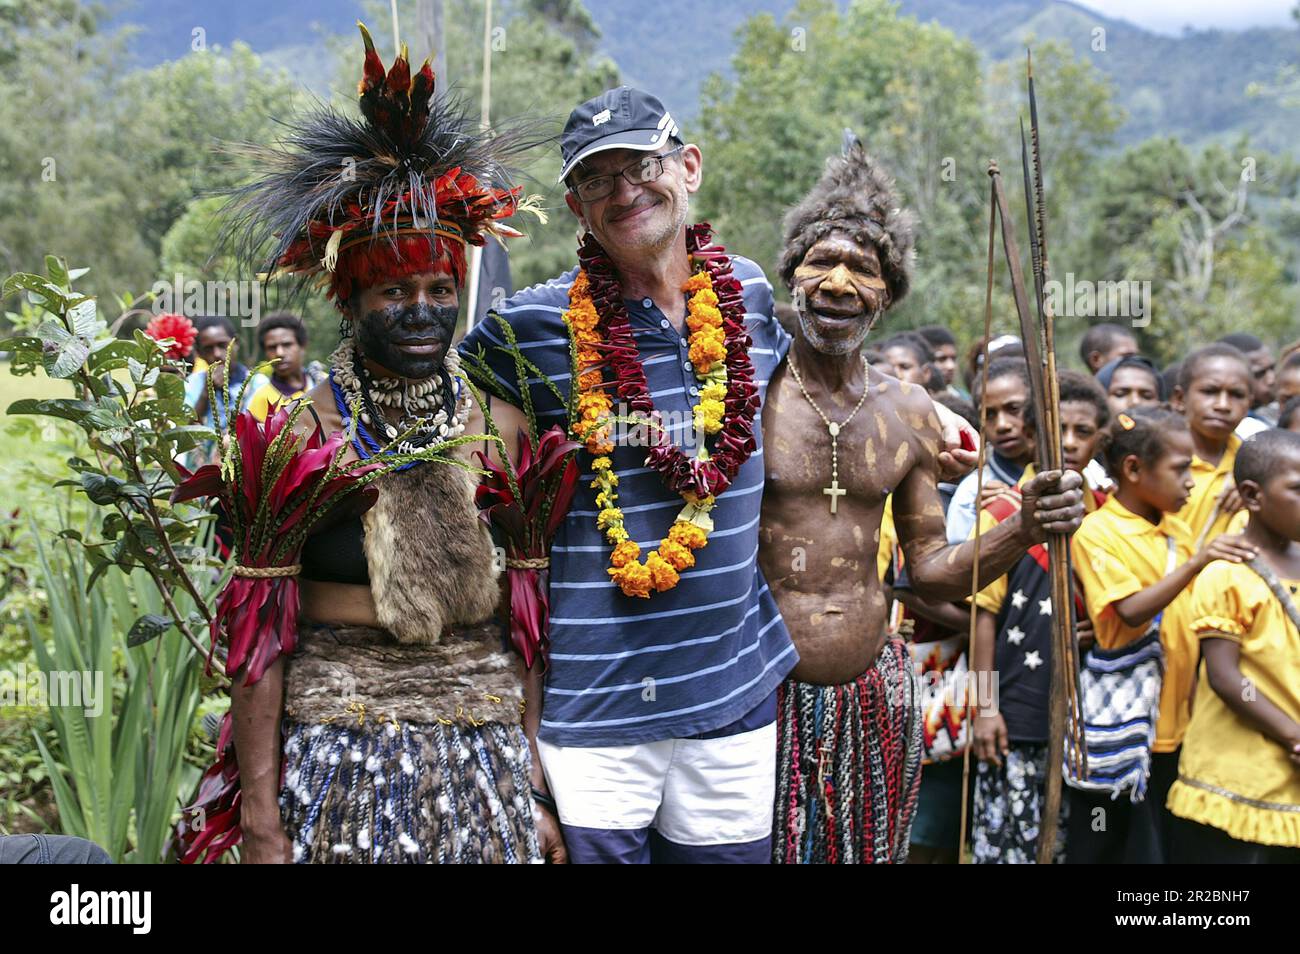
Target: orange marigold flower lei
column 707, row 350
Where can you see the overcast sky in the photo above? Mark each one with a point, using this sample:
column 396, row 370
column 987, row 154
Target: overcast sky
column 1170, row 16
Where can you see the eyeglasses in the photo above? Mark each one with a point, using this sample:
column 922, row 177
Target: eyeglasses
column 644, row 170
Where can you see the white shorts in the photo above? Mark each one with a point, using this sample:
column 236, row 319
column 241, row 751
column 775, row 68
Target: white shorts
column 692, row 792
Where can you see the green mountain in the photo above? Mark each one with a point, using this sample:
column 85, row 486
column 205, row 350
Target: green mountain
column 1193, row 86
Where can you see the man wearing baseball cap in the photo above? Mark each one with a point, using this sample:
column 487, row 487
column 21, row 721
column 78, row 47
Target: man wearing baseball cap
column 654, row 737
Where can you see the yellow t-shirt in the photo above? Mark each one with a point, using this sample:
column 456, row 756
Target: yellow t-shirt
column 1210, row 480
column 1118, row 553
column 267, row 398
column 888, row 539
column 1230, row 775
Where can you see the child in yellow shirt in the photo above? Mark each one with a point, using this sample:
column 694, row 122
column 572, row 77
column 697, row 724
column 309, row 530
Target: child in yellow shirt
column 1135, row 559
column 1214, row 390
column 1238, row 786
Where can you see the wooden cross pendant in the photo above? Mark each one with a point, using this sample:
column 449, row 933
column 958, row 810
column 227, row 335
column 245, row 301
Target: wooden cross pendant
column 834, row 491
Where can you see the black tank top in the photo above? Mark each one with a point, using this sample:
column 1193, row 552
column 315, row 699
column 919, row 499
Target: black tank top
column 336, row 553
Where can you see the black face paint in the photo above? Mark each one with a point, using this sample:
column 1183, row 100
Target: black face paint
column 381, row 334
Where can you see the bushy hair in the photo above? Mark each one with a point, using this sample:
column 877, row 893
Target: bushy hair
column 1080, row 388
column 913, row 342
column 1242, row 341
column 937, row 336
column 1101, row 337
column 1192, row 363
column 1001, row 367
column 855, row 195
column 204, row 322
column 283, row 320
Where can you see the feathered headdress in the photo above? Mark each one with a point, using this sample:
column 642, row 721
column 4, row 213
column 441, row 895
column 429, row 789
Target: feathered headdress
column 351, row 203
column 854, row 195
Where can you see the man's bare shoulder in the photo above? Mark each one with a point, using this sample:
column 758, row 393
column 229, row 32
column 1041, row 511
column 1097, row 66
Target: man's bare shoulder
column 906, row 398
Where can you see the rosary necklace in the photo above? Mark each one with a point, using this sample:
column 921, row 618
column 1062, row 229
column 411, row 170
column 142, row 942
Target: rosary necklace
column 834, row 491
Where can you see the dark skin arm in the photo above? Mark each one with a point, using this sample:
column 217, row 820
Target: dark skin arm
column 1141, row 607
column 1223, row 667
column 990, row 729
column 549, row 839
column 1052, row 502
column 1084, row 633
column 509, row 421
column 255, row 711
column 948, row 615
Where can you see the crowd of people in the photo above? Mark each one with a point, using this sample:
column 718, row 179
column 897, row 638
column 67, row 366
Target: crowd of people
column 1189, row 545
column 741, row 682
column 764, row 705
column 281, row 341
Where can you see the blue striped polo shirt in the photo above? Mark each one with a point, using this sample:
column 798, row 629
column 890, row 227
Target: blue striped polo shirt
column 699, row 657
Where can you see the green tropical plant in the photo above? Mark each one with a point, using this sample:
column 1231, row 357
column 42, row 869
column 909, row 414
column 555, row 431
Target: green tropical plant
column 121, row 764
column 135, row 429
column 117, row 769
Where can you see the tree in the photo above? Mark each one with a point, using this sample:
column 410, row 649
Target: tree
column 797, row 85
column 98, row 164
column 1206, row 229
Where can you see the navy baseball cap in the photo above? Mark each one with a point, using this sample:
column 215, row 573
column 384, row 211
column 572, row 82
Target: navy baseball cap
column 622, row 118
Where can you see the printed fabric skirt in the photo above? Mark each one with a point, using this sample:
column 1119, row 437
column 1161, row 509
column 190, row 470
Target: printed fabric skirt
column 849, row 766
column 400, row 753
column 1007, row 808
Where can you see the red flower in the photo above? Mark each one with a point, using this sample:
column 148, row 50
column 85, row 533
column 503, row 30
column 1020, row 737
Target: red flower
column 178, row 328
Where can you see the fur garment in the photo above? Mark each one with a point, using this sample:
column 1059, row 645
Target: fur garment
column 430, row 557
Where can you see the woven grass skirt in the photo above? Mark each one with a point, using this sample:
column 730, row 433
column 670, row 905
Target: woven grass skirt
column 404, row 754
column 849, row 766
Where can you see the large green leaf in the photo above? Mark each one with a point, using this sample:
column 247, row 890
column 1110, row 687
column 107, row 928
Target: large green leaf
column 64, row 353
column 21, row 343
column 42, row 287
column 84, row 318
column 111, row 354
column 57, row 271
column 188, row 435
column 65, row 408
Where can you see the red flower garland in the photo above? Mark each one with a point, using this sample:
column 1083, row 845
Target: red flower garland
column 682, row 473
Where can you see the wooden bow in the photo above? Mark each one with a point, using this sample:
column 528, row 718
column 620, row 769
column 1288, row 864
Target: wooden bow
column 1038, row 333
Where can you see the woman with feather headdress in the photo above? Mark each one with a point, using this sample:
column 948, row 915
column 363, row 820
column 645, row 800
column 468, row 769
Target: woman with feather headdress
column 392, row 733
